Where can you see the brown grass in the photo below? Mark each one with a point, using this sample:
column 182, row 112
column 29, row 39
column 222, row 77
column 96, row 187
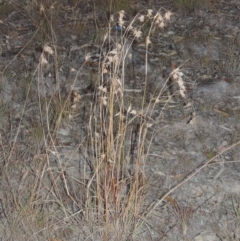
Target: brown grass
column 50, row 194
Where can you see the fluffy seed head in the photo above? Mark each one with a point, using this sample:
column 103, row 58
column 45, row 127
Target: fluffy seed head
column 137, row 33
column 168, row 15
column 149, row 13
column 141, row 18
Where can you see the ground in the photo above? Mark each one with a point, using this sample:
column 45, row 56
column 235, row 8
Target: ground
column 114, row 131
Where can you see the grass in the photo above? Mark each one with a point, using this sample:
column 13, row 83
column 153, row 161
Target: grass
column 99, row 189
column 107, row 195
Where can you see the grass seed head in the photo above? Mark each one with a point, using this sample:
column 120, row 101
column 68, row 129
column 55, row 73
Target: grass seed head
column 149, row 13
column 141, row 18
column 168, row 15
column 48, row 50
column 43, row 60
column 137, row 33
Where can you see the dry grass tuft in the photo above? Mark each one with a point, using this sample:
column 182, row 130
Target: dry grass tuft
column 105, row 198
column 47, row 194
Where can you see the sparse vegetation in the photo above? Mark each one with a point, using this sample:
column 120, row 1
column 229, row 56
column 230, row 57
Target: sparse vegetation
column 74, row 155
column 107, row 198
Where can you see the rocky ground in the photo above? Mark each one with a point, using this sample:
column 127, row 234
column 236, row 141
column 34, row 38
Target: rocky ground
column 192, row 158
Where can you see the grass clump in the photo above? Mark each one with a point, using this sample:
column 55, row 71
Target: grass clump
column 101, row 194
column 106, row 195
